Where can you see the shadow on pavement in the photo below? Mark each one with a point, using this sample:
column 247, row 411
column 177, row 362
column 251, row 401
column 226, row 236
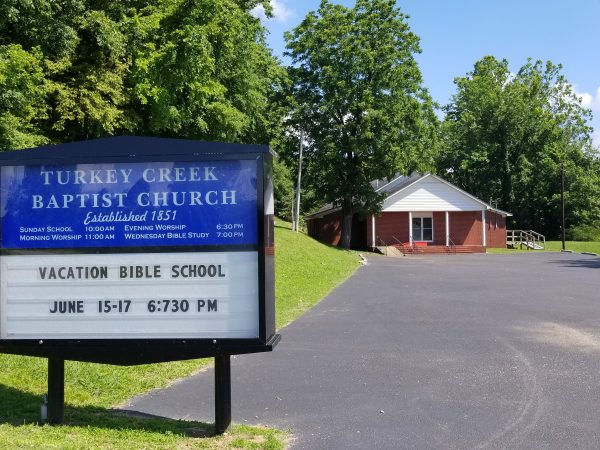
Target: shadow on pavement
column 591, row 263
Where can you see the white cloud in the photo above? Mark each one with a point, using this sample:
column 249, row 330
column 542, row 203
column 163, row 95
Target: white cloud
column 590, row 101
column 596, row 139
column 281, row 12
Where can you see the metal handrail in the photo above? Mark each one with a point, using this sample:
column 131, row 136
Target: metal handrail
column 452, row 245
column 398, row 240
column 405, row 248
column 384, row 244
column 539, row 236
column 520, row 237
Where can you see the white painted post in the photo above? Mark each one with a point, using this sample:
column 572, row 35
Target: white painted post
column 410, row 239
column 373, row 243
column 296, row 225
column 447, row 229
column 483, row 227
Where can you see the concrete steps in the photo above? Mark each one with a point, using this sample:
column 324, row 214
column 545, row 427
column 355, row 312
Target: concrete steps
column 439, row 250
column 398, row 250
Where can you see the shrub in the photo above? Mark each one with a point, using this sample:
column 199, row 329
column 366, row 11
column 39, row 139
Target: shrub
column 588, row 232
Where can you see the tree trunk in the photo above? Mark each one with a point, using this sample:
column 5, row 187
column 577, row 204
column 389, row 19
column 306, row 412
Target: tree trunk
column 346, row 224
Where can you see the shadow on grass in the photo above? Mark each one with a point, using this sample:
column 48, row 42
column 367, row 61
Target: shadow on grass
column 22, row 408
column 288, row 226
column 283, row 226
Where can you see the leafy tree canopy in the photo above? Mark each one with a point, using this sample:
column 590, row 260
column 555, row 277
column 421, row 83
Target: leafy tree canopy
column 506, row 136
column 357, row 93
column 21, row 97
column 79, row 69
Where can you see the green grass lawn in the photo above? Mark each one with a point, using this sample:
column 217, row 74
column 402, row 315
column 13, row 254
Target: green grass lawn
column 305, row 271
column 590, row 247
column 555, row 246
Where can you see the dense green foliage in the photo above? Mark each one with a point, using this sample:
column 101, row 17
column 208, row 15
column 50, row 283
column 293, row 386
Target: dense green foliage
column 586, row 232
column 80, row 69
column 21, row 97
column 506, row 137
column 357, row 94
column 288, row 147
column 284, row 189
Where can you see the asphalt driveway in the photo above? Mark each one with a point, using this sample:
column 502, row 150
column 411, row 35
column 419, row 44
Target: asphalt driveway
column 465, row 351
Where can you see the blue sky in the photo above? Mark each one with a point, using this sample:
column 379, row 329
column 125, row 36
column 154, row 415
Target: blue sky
column 456, row 33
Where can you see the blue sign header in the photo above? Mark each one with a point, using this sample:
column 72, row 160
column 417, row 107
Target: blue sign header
column 144, row 204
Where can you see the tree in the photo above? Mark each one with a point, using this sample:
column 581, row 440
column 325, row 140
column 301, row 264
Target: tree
column 357, row 94
column 507, row 135
column 22, row 104
column 83, row 62
column 287, row 145
column 203, row 71
column 283, row 187
column 179, row 68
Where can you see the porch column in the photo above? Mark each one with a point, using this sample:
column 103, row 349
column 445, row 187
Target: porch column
column 447, row 229
column 373, row 240
column 410, row 240
column 483, row 227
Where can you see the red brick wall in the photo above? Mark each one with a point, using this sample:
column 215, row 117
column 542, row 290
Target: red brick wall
column 387, row 226
column 465, row 227
column 327, row 229
column 495, row 230
column 439, row 228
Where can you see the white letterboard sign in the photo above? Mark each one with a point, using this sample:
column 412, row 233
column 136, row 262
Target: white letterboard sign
column 130, row 250
column 160, row 295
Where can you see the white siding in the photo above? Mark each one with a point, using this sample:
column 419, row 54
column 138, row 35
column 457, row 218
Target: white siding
column 430, row 194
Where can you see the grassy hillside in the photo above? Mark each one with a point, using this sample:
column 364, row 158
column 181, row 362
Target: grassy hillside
column 305, row 272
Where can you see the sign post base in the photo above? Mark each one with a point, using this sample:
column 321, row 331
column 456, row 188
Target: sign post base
column 56, row 390
column 222, row 393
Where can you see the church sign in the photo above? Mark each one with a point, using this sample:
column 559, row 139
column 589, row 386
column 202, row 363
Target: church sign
column 129, row 250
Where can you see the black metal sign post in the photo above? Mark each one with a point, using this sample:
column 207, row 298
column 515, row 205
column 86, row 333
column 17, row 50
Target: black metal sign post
column 56, row 390
column 222, row 393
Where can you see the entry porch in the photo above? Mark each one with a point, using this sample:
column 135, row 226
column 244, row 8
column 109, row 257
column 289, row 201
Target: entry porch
column 418, row 248
column 437, row 231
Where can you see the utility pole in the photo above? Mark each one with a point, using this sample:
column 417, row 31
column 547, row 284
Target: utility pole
column 296, row 225
column 562, row 201
column 293, row 208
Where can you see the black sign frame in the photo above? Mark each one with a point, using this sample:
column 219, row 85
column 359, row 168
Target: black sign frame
column 148, row 149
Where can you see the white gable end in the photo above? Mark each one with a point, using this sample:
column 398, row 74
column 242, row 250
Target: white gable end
column 431, row 194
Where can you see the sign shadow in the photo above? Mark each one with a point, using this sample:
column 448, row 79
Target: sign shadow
column 18, row 408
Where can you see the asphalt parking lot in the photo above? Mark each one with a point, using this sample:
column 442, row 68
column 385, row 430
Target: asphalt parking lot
column 463, row 351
